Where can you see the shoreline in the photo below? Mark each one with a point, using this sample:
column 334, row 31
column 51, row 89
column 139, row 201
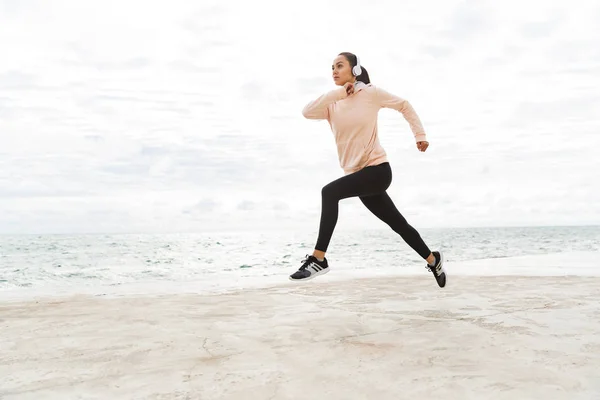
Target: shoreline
column 568, row 263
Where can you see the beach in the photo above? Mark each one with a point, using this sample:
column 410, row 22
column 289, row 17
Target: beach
column 384, row 337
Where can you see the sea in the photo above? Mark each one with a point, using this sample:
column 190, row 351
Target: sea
column 118, row 264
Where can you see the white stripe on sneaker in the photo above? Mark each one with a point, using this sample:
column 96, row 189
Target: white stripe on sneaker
column 314, row 268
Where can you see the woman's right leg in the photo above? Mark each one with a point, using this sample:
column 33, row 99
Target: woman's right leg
column 367, row 181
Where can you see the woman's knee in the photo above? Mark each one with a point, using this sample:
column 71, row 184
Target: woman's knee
column 328, row 192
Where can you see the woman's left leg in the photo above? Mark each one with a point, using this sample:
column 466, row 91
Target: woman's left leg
column 382, row 206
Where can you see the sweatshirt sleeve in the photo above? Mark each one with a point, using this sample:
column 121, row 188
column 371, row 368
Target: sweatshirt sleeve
column 318, row 108
column 388, row 100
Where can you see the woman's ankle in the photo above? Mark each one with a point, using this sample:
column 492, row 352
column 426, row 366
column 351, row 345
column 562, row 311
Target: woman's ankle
column 320, row 255
column 431, row 259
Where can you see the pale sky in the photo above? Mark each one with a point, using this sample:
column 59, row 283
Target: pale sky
column 147, row 116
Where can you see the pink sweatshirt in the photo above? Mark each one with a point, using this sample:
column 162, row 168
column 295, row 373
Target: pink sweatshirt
column 353, row 121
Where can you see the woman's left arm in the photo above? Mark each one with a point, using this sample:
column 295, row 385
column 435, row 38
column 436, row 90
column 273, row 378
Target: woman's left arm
column 389, row 100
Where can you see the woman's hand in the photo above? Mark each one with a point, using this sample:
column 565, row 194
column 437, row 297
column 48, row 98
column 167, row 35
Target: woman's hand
column 349, row 86
column 422, row 146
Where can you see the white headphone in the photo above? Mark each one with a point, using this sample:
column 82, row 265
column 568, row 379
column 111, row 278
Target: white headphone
column 357, row 70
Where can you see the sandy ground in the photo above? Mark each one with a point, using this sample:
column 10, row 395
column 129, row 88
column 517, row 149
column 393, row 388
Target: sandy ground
column 489, row 337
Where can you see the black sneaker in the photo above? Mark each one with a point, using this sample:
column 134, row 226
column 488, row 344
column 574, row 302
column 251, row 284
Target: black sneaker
column 311, row 268
column 438, row 268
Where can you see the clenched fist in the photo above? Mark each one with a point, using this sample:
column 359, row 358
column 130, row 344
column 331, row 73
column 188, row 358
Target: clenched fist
column 422, row 146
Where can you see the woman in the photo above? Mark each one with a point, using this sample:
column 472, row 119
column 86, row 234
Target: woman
column 351, row 111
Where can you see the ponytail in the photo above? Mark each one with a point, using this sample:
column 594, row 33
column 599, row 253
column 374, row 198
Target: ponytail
column 364, row 76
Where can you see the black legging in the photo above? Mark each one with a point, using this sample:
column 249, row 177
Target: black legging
column 370, row 185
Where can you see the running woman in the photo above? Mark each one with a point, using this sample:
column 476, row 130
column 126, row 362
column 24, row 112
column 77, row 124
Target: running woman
column 351, row 111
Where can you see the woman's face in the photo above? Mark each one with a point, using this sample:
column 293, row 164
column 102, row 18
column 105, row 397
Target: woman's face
column 342, row 71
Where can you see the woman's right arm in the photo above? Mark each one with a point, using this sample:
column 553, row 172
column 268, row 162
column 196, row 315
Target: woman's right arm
column 318, row 108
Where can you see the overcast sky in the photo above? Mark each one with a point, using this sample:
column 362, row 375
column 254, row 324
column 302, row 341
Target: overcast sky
column 121, row 116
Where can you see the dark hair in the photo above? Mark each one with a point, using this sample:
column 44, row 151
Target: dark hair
column 364, row 76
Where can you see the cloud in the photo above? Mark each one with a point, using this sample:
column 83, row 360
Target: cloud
column 202, row 207
column 11, row 8
column 437, row 51
column 469, row 19
column 534, row 112
column 246, row 205
column 194, row 67
column 13, row 79
column 190, row 119
column 541, row 29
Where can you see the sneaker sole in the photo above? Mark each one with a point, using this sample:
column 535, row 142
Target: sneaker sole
column 313, row 276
